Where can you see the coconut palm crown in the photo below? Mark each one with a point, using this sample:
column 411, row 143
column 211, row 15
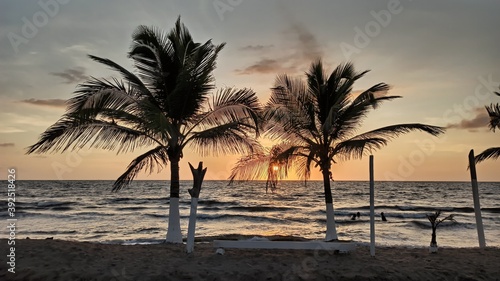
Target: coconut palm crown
column 492, row 152
column 164, row 107
column 318, row 122
column 263, row 162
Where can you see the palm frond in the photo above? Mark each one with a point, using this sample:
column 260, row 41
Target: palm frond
column 293, row 108
column 115, row 100
column 271, row 163
column 227, row 138
column 356, row 148
column 372, row 94
column 226, row 126
column 195, row 79
column 334, row 91
column 490, row 153
column 316, row 80
column 285, row 128
column 301, row 163
column 155, row 59
column 127, row 75
column 179, row 69
column 494, row 113
column 350, row 118
column 293, row 94
column 156, row 157
column 251, row 167
column 232, row 105
column 96, row 95
column 72, row 132
column 340, row 83
column 393, row 131
column 358, row 145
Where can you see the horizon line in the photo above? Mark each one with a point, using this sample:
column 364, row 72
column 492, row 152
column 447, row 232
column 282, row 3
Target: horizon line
column 167, row 180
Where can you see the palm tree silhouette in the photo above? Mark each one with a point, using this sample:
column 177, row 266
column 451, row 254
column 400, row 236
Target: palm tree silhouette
column 263, row 163
column 165, row 106
column 318, row 120
column 492, row 152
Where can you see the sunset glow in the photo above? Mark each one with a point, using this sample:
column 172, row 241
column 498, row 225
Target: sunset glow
column 429, row 54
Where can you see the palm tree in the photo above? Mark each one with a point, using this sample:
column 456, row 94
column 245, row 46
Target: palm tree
column 319, row 119
column 435, row 222
column 263, row 163
column 165, row 106
column 494, row 113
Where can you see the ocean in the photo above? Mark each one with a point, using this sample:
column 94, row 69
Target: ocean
column 89, row 211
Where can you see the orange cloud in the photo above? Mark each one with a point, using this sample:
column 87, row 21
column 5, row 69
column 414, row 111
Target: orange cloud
column 478, row 122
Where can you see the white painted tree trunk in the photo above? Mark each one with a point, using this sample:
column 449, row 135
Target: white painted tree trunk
column 174, row 234
column 192, row 225
column 331, row 228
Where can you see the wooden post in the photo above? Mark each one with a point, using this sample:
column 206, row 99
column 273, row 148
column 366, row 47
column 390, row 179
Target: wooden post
column 372, row 209
column 475, row 195
column 198, row 175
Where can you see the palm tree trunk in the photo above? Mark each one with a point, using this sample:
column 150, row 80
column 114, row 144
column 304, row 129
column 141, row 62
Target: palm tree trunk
column 433, row 237
column 433, row 248
column 331, row 229
column 174, row 234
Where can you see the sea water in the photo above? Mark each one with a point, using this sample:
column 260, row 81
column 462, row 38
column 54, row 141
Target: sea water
column 89, row 211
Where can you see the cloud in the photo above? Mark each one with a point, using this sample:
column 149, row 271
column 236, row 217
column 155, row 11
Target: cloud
column 302, row 48
column 10, row 130
column 46, row 102
column 7, row 144
column 72, row 75
column 308, row 46
column 78, row 48
column 256, row 47
column 480, row 121
column 264, row 65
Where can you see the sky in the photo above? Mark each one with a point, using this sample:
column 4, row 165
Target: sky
column 441, row 56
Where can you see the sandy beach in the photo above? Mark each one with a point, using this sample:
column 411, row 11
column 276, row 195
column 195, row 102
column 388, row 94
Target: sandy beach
column 66, row 260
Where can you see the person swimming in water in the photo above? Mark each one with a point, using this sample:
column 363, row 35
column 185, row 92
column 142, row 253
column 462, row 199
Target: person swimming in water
column 358, row 215
column 353, row 218
column 383, row 216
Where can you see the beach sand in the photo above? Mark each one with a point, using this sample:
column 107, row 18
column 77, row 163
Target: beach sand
column 65, row 260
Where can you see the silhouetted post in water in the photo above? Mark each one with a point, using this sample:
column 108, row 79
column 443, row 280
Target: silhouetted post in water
column 475, row 195
column 198, row 175
column 372, row 209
